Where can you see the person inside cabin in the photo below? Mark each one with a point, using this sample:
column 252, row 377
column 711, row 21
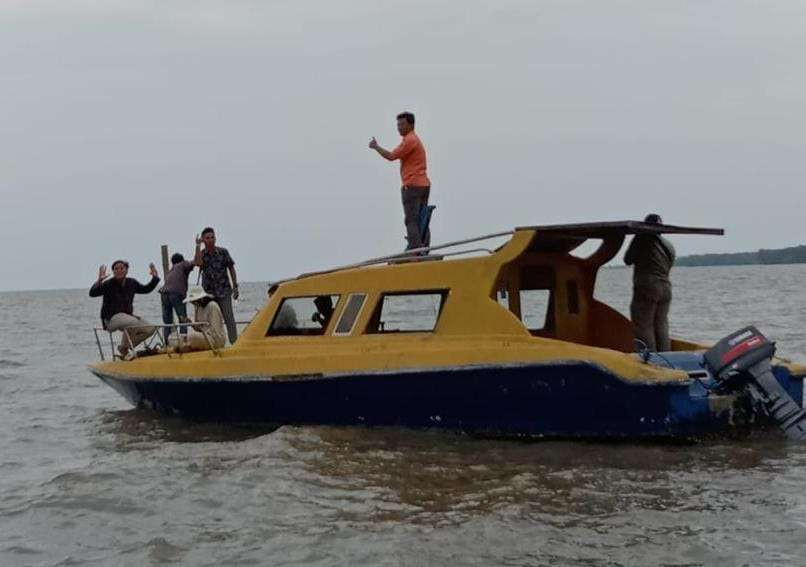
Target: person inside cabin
column 286, row 319
column 206, row 311
column 416, row 186
column 173, row 293
column 117, row 307
column 324, row 310
column 215, row 263
column 652, row 257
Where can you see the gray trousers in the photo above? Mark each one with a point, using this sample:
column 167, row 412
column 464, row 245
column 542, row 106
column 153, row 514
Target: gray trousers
column 225, row 303
column 121, row 321
column 414, row 198
column 649, row 311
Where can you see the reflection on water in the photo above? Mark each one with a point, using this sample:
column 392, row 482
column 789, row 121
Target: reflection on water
column 431, row 474
column 432, row 478
column 144, row 425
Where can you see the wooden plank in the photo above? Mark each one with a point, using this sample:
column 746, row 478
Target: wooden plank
column 164, row 249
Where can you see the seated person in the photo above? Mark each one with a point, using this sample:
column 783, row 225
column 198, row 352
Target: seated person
column 118, row 304
column 324, row 309
column 207, row 311
column 286, row 318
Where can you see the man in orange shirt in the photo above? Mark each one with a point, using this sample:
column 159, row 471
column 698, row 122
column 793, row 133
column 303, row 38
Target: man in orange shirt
column 416, row 185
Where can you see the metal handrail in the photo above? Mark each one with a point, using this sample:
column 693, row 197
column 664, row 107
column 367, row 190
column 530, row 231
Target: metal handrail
column 156, row 327
column 413, row 255
column 471, row 251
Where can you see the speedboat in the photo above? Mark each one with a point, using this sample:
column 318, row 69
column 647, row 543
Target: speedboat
column 508, row 341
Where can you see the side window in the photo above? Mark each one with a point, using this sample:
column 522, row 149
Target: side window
column 407, row 312
column 348, row 317
column 534, row 308
column 536, row 298
column 303, row 315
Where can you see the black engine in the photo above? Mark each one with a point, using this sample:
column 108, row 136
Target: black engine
column 742, row 361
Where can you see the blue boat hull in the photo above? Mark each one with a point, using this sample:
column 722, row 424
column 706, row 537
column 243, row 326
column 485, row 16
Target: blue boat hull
column 547, row 400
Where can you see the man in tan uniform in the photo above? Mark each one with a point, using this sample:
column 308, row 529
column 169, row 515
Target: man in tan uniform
column 207, row 311
column 652, row 257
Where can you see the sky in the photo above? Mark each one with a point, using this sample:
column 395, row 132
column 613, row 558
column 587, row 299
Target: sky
column 127, row 125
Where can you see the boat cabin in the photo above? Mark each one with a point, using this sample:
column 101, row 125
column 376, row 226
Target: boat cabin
column 531, row 285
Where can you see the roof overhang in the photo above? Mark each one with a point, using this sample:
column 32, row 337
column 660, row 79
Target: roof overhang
column 562, row 238
column 615, row 228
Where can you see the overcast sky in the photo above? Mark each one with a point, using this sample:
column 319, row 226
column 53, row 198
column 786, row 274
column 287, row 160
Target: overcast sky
column 126, row 125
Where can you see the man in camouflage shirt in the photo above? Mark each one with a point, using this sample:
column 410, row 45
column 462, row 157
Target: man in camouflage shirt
column 215, row 262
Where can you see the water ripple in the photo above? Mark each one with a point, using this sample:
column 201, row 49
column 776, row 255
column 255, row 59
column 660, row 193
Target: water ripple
column 86, row 480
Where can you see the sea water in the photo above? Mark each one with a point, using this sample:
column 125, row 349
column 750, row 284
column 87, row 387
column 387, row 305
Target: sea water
column 87, row 480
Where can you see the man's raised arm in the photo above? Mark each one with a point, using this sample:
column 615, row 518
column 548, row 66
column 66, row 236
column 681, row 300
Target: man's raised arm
column 373, row 144
column 95, row 290
column 149, row 287
column 197, row 257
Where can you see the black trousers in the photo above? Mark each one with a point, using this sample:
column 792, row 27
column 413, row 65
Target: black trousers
column 414, row 199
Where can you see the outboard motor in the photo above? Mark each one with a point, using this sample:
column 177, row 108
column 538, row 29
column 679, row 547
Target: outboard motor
column 742, row 361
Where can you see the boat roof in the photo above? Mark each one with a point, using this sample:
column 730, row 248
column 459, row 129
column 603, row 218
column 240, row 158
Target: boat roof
column 565, row 237
column 616, row 228
column 548, row 238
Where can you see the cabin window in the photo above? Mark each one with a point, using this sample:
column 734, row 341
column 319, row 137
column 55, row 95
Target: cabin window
column 407, row 312
column 535, row 308
column 537, row 298
column 348, row 317
column 303, row 315
column 587, row 248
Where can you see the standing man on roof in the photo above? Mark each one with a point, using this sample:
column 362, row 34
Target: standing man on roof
column 215, row 262
column 415, row 183
column 652, row 257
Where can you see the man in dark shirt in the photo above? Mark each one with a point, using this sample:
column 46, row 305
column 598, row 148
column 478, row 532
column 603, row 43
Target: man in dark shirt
column 652, row 257
column 118, row 303
column 174, row 291
column 215, row 262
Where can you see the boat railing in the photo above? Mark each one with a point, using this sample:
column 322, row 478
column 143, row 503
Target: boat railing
column 414, row 255
column 155, row 343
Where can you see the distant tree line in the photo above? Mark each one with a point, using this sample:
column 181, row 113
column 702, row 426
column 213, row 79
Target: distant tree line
column 791, row 255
